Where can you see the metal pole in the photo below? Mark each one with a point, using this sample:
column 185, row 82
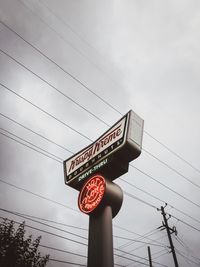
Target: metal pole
column 149, row 254
column 100, row 247
column 169, row 236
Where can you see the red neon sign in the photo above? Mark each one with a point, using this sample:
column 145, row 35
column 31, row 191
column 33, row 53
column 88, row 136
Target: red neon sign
column 91, row 194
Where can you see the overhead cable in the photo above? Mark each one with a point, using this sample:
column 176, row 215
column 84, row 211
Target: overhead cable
column 45, row 112
column 91, row 91
column 53, row 87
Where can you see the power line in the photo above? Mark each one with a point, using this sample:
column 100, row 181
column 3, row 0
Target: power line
column 167, row 187
column 153, row 196
column 56, row 228
column 67, row 25
column 179, row 241
column 142, row 190
column 53, row 87
column 81, row 38
column 37, row 195
column 72, row 152
column 51, row 221
column 132, row 232
column 56, row 235
column 152, row 178
column 47, row 232
column 45, row 224
column 51, row 154
column 141, row 237
column 72, row 263
column 154, row 257
column 80, row 228
column 187, row 248
column 124, row 257
column 184, row 256
column 173, row 152
column 62, row 250
column 36, row 133
column 62, row 230
column 55, row 202
column 137, row 198
column 134, row 167
column 139, row 257
column 61, row 68
column 63, row 39
column 66, row 232
column 184, row 213
column 182, row 221
column 139, row 241
column 45, row 112
column 171, row 168
column 29, row 147
column 161, row 254
column 130, row 195
column 131, row 165
column 87, row 88
column 91, row 140
column 153, row 240
column 189, row 225
column 145, row 243
column 68, row 262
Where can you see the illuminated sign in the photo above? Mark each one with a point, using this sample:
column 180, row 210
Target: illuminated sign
column 121, row 143
column 91, row 194
column 91, row 153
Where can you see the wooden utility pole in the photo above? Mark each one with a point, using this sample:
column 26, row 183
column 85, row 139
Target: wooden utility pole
column 168, row 229
column 149, row 254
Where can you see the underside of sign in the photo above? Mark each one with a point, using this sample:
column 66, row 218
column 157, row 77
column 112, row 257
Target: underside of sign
column 109, row 155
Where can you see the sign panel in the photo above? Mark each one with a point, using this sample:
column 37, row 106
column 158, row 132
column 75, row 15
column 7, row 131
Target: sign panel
column 91, row 194
column 121, row 143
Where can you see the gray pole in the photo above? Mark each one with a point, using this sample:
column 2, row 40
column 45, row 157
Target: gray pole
column 169, row 236
column 100, row 247
column 100, row 240
column 149, row 254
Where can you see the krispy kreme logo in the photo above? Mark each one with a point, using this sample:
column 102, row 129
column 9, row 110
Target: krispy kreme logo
column 91, row 194
column 101, row 144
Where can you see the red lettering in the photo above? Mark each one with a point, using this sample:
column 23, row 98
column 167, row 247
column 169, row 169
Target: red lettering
column 91, row 194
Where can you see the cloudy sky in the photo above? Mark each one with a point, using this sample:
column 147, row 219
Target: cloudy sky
column 68, row 71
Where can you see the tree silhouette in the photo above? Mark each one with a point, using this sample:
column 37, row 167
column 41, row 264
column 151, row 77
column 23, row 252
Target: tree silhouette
column 18, row 251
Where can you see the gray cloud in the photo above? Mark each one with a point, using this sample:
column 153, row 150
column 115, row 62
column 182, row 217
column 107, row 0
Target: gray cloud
column 142, row 56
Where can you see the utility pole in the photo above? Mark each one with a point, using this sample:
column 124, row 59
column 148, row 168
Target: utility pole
column 169, row 232
column 149, row 254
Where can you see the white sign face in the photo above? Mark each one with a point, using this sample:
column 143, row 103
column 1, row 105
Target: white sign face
column 108, row 139
column 96, row 156
column 97, row 151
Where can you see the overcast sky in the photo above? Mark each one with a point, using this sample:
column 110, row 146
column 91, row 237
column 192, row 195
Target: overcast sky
column 107, row 57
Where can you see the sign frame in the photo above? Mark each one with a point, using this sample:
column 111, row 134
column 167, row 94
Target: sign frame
column 118, row 149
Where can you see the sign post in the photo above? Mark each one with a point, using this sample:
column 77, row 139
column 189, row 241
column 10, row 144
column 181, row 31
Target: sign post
column 92, row 171
column 101, row 199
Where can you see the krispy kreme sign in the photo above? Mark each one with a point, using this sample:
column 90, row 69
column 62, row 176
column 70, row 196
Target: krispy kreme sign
column 95, row 149
column 97, row 155
column 92, row 194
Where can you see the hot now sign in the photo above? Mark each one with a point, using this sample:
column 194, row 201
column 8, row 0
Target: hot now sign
column 95, row 156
